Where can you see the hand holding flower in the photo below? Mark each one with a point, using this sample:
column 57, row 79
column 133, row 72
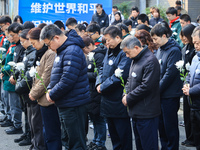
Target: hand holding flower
column 48, row 97
column 124, row 100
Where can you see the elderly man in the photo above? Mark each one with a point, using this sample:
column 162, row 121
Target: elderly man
column 143, row 97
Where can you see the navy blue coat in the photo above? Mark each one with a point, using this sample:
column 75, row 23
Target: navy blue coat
column 154, row 21
column 111, row 89
column 69, row 81
column 170, row 82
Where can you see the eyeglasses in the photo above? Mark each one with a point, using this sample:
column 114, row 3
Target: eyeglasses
column 49, row 41
column 12, row 35
column 91, row 34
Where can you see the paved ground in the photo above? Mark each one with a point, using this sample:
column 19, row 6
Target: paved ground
column 6, row 141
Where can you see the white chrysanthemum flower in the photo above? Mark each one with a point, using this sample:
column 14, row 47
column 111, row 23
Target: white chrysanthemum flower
column 20, row 66
column 37, row 63
column 187, row 66
column 118, row 72
column 32, row 71
column 12, row 63
column 0, row 61
column 110, row 62
column 160, row 61
column 179, row 64
column 197, row 71
column 2, row 49
column 57, row 59
column 134, row 74
column 91, row 56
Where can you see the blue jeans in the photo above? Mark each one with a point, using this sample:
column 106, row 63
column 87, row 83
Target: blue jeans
column 15, row 108
column 99, row 130
column 120, row 133
column 146, row 133
column 168, row 123
column 52, row 131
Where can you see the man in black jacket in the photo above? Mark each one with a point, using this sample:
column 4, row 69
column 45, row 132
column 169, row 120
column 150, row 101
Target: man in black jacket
column 100, row 16
column 143, row 97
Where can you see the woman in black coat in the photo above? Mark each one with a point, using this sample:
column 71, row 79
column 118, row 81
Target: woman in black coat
column 118, row 18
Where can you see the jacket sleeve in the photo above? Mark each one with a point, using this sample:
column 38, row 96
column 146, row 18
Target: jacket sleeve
column 148, row 82
column 107, row 21
column 171, row 70
column 195, row 90
column 38, row 90
column 112, row 81
column 70, row 73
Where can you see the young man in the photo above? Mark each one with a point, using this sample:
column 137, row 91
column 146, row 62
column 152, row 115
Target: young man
column 110, row 87
column 133, row 17
column 93, row 31
column 174, row 24
column 185, row 20
column 69, row 86
column 71, row 23
column 61, row 25
column 143, row 97
column 143, row 19
column 168, row 54
column 192, row 90
column 100, row 16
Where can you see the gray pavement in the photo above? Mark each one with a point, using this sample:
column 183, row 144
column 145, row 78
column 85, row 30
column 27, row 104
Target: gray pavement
column 7, row 143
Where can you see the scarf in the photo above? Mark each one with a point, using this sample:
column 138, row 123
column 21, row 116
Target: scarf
column 172, row 21
column 39, row 54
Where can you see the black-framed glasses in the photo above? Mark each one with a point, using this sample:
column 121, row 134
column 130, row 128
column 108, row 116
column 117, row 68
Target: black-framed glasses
column 91, row 34
column 49, row 41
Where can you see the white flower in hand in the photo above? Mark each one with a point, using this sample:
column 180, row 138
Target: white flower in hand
column 91, row 56
column 12, row 63
column 20, row 66
column 160, row 61
column 2, row 49
column 179, row 64
column 187, row 66
column 57, row 59
column 134, row 74
column 37, row 63
column 197, row 71
column 0, row 61
column 118, row 72
column 32, row 72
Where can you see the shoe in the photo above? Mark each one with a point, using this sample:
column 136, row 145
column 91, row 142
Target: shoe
column 14, row 130
column 6, row 123
column 91, row 145
column 96, row 147
column 20, row 138
column 188, row 143
column 25, row 142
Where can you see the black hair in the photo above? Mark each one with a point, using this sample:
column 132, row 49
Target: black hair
column 87, row 40
column 42, row 25
column 113, row 31
column 15, row 27
column 160, row 29
column 80, row 27
column 127, row 22
column 171, row 10
column 60, row 24
column 143, row 27
column 178, row 2
column 103, row 29
column 115, row 7
column 93, row 28
column 20, row 18
column 99, row 5
column 71, row 21
column 178, row 7
column 118, row 13
column 5, row 19
column 187, row 32
column 24, row 34
column 85, row 24
column 123, row 27
column 28, row 25
column 143, row 18
column 185, row 17
column 135, row 8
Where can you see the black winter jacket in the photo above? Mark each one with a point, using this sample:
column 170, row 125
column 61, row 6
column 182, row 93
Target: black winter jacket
column 94, row 105
column 170, row 82
column 102, row 19
column 154, row 21
column 143, row 97
column 134, row 22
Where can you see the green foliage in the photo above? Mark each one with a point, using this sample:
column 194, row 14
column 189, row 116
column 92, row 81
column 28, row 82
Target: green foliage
column 125, row 8
column 162, row 12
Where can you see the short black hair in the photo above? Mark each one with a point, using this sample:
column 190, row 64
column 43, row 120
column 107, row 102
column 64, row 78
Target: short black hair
column 123, row 27
column 20, row 18
column 113, row 31
column 28, row 25
column 160, row 29
column 15, row 27
column 60, row 24
column 5, row 19
column 81, row 27
column 99, row 5
column 178, row 2
column 71, row 21
column 171, row 10
column 127, row 22
column 24, row 33
column 178, row 7
column 115, row 7
column 135, row 8
column 142, row 27
column 143, row 18
column 42, row 25
column 185, row 17
column 93, row 27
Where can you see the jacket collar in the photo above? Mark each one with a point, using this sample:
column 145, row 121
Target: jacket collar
column 115, row 51
column 141, row 53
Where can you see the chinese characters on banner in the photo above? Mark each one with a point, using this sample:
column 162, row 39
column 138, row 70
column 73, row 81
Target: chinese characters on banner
column 48, row 11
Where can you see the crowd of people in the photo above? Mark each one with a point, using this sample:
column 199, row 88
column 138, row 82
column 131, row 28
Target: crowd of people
column 122, row 74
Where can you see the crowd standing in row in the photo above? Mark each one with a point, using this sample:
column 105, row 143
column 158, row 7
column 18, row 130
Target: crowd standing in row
column 114, row 71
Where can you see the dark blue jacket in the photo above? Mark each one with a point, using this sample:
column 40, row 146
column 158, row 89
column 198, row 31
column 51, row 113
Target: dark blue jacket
column 154, row 21
column 111, row 89
column 69, row 81
column 102, row 19
column 143, row 96
column 170, row 82
column 194, row 80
